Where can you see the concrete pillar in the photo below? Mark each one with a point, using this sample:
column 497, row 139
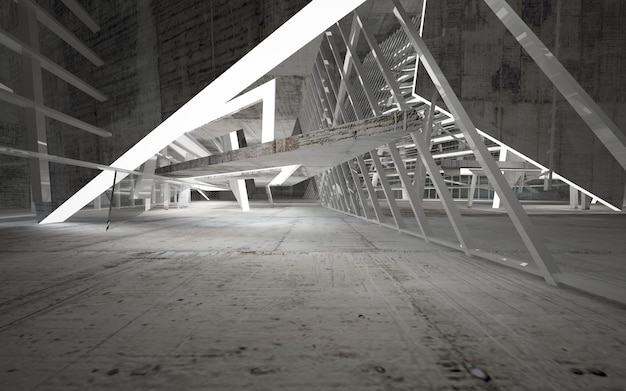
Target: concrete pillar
column 573, row 198
column 585, row 201
column 166, row 196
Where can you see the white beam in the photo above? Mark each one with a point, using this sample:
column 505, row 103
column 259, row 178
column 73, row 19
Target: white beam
column 81, row 14
column 285, row 173
column 414, row 199
column 19, row 47
column 57, row 28
column 597, row 120
column 359, row 190
column 394, row 88
column 353, row 60
column 51, row 113
column 391, row 200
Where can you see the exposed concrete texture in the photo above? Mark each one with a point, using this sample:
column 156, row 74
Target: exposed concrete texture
column 290, row 297
column 506, row 94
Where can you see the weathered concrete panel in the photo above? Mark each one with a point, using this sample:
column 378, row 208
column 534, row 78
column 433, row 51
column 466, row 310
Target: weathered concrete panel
column 506, row 94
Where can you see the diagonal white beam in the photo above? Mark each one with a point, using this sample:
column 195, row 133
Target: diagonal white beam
column 81, row 14
column 378, row 211
column 19, row 47
column 57, row 28
column 192, row 146
column 601, row 125
column 394, row 88
column 414, row 199
column 345, row 82
column 391, row 200
column 322, row 62
column 422, row 143
column 20, row 101
column 238, row 186
column 285, row 173
column 343, row 177
column 353, row 60
column 339, row 192
column 359, row 190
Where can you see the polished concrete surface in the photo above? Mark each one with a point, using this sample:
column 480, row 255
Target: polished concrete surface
column 294, row 297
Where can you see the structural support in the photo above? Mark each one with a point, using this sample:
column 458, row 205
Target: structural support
column 352, row 59
column 53, row 25
column 496, row 197
column 342, row 191
column 527, row 232
column 81, row 14
column 344, row 81
column 359, row 190
column 414, row 199
column 391, row 200
column 335, row 191
column 321, row 95
column 601, row 125
column 547, row 182
column 370, row 190
column 270, row 199
column 327, row 190
column 42, row 110
column 349, row 192
column 573, row 198
column 394, row 88
column 461, row 231
column 317, row 105
column 472, row 190
column 321, row 63
column 20, row 47
column 237, row 186
column 34, row 121
column 111, row 201
column 143, row 186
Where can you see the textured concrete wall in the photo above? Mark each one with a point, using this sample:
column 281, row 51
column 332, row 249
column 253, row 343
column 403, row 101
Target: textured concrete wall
column 508, row 96
column 14, row 187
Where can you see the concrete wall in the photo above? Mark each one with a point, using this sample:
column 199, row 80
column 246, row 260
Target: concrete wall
column 508, row 96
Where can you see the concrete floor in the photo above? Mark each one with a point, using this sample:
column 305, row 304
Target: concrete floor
column 291, row 297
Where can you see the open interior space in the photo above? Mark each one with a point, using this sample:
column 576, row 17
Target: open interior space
column 312, row 195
